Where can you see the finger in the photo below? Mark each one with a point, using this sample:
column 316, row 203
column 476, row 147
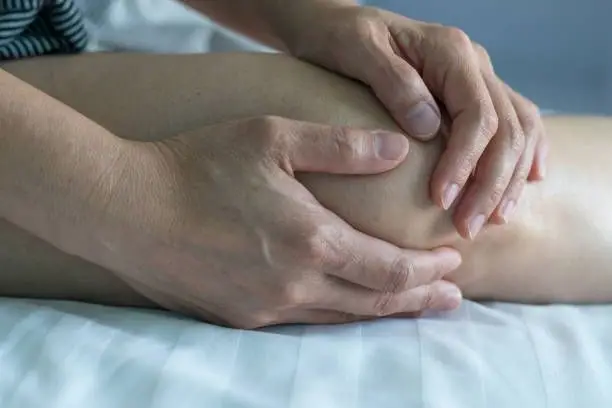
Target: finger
column 457, row 80
column 525, row 166
column 397, row 84
column 531, row 121
column 379, row 265
column 497, row 167
column 316, row 316
column 539, row 167
column 349, row 298
column 311, row 147
column 513, row 192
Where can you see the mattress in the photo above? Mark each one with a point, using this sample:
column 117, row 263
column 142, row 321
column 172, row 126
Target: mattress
column 62, row 354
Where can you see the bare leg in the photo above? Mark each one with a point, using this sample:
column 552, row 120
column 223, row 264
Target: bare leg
column 556, row 248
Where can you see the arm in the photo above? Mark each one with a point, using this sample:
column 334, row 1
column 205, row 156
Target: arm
column 557, row 248
column 52, row 163
column 260, row 19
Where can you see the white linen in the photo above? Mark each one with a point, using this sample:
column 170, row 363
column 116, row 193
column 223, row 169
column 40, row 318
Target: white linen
column 61, row 354
column 163, row 26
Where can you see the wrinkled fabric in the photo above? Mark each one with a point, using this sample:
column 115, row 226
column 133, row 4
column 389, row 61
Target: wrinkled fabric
column 62, row 354
column 161, row 26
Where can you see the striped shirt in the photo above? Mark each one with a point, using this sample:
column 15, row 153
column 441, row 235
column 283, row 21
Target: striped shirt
column 35, row 27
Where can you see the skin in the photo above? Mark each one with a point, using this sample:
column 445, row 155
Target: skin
column 493, row 132
column 243, row 242
column 210, row 221
column 556, row 249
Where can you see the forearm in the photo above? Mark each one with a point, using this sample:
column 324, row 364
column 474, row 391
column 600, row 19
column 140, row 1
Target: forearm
column 271, row 22
column 53, row 164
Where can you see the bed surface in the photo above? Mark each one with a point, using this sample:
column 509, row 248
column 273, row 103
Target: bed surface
column 61, row 354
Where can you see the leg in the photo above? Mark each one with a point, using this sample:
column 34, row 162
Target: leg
column 552, row 251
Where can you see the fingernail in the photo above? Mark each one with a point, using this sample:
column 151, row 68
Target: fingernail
column 507, row 209
column 422, row 120
column 390, row 146
column 450, row 296
column 475, row 225
column 450, row 195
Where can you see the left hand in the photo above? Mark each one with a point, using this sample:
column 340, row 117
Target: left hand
column 496, row 136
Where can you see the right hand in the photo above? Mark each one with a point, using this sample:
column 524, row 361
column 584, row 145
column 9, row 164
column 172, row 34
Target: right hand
column 222, row 230
column 496, row 138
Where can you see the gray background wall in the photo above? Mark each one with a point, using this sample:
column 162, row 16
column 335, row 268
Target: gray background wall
column 557, row 52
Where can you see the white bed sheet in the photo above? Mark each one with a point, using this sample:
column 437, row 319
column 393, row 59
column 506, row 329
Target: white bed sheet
column 163, row 26
column 61, row 354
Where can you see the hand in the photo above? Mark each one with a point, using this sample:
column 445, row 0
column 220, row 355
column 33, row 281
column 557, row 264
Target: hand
column 496, row 135
column 220, row 229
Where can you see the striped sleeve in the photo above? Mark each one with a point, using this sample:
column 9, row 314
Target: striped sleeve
column 35, row 27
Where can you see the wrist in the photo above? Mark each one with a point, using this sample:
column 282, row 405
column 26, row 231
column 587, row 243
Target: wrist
column 296, row 23
column 134, row 206
column 58, row 193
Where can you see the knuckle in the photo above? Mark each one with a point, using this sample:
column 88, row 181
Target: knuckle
column 489, row 121
column 317, row 246
column 383, row 304
column 528, row 106
column 530, row 125
column 481, row 52
column 457, row 38
column 349, row 145
column 368, row 21
column 370, row 12
column 366, row 27
column 427, row 299
column 465, row 168
column 532, row 109
column 266, row 123
column 483, row 57
column 531, row 120
column 529, row 113
column 467, row 162
column 267, row 129
column 498, row 188
column 401, row 275
column 517, row 139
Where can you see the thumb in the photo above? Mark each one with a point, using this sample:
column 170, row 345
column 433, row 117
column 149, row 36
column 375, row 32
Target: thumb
column 404, row 93
column 343, row 150
column 400, row 87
